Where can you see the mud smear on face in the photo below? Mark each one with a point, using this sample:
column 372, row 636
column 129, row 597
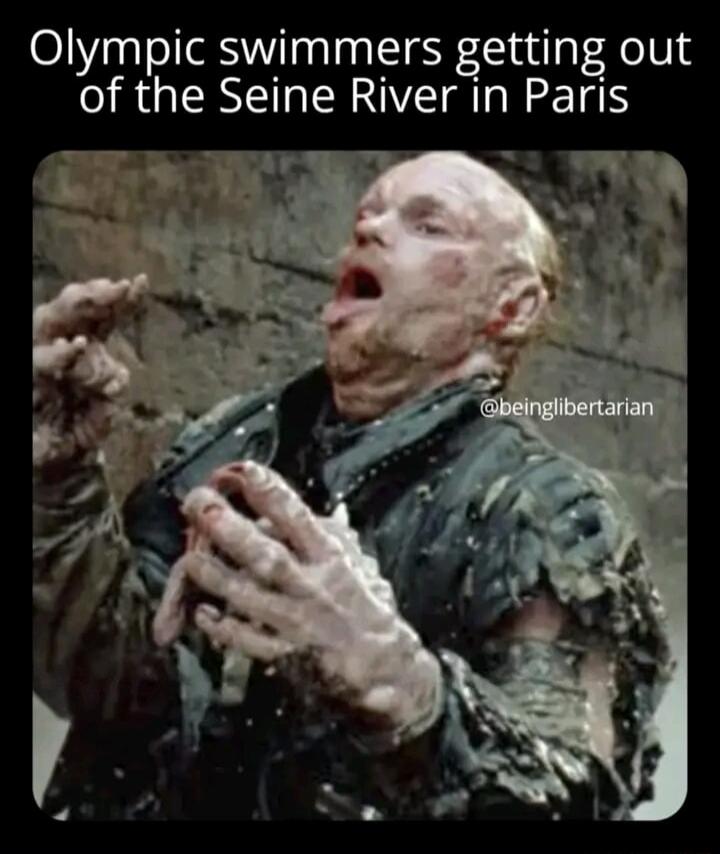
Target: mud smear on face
column 351, row 321
column 382, row 342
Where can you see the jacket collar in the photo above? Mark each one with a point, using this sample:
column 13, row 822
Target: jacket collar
column 352, row 452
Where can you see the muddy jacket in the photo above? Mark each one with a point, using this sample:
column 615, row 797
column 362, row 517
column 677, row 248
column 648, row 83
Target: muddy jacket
column 469, row 517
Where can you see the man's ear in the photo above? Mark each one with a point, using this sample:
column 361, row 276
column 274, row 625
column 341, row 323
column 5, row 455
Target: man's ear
column 519, row 307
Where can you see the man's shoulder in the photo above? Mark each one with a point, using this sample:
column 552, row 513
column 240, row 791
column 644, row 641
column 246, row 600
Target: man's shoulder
column 541, row 516
column 512, row 455
column 211, row 425
column 540, row 500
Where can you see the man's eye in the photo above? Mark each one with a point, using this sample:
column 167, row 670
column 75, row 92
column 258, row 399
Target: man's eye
column 431, row 227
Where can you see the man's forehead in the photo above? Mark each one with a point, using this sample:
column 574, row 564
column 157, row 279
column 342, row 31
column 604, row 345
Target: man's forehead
column 446, row 178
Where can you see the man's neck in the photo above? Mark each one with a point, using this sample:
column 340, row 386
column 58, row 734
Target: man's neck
column 479, row 364
column 482, row 363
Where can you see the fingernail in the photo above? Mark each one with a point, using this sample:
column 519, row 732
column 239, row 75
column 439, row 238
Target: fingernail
column 227, row 479
column 208, row 612
column 254, row 473
column 202, row 620
column 212, row 513
column 198, row 499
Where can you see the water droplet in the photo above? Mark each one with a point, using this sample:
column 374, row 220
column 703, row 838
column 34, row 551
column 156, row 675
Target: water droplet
column 239, row 431
column 311, row 481
column 118, row 773
column 249, row 722
column 369, row 813
column 270, row 407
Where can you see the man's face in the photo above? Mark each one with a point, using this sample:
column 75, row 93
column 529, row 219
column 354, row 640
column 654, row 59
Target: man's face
column 417, row 282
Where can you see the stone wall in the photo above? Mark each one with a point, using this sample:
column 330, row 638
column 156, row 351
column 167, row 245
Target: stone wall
column 239, row 250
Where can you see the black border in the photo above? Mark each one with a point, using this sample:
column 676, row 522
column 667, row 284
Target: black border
column 665, row 114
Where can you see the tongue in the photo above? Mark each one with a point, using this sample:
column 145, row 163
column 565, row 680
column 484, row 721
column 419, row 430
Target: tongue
column 337, row 310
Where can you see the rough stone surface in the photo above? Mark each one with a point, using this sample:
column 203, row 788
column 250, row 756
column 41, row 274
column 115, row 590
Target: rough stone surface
column 239, row 249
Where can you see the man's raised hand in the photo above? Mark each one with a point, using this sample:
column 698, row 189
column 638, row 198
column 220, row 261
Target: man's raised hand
column 75, row 379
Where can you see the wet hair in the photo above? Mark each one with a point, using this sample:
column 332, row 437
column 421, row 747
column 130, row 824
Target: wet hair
column 545, row 253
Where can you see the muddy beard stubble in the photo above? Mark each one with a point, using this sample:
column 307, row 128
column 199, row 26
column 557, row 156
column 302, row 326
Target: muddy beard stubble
column 377, row 366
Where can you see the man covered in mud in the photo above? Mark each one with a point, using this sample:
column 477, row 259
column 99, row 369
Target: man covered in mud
column 352, row 596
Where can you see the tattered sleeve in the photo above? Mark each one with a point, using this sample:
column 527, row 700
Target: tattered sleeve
column 513, row 736
column 91, row 611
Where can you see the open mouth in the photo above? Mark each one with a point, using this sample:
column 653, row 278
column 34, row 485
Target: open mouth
column 359, row 283
column 356, row 293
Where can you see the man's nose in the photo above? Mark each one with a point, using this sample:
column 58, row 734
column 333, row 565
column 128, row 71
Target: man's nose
column 373, row 229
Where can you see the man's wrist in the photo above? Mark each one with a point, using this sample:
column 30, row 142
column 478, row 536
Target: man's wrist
column 427, row 682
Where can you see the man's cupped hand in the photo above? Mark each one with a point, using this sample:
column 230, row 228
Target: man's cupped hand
column 294, row 587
